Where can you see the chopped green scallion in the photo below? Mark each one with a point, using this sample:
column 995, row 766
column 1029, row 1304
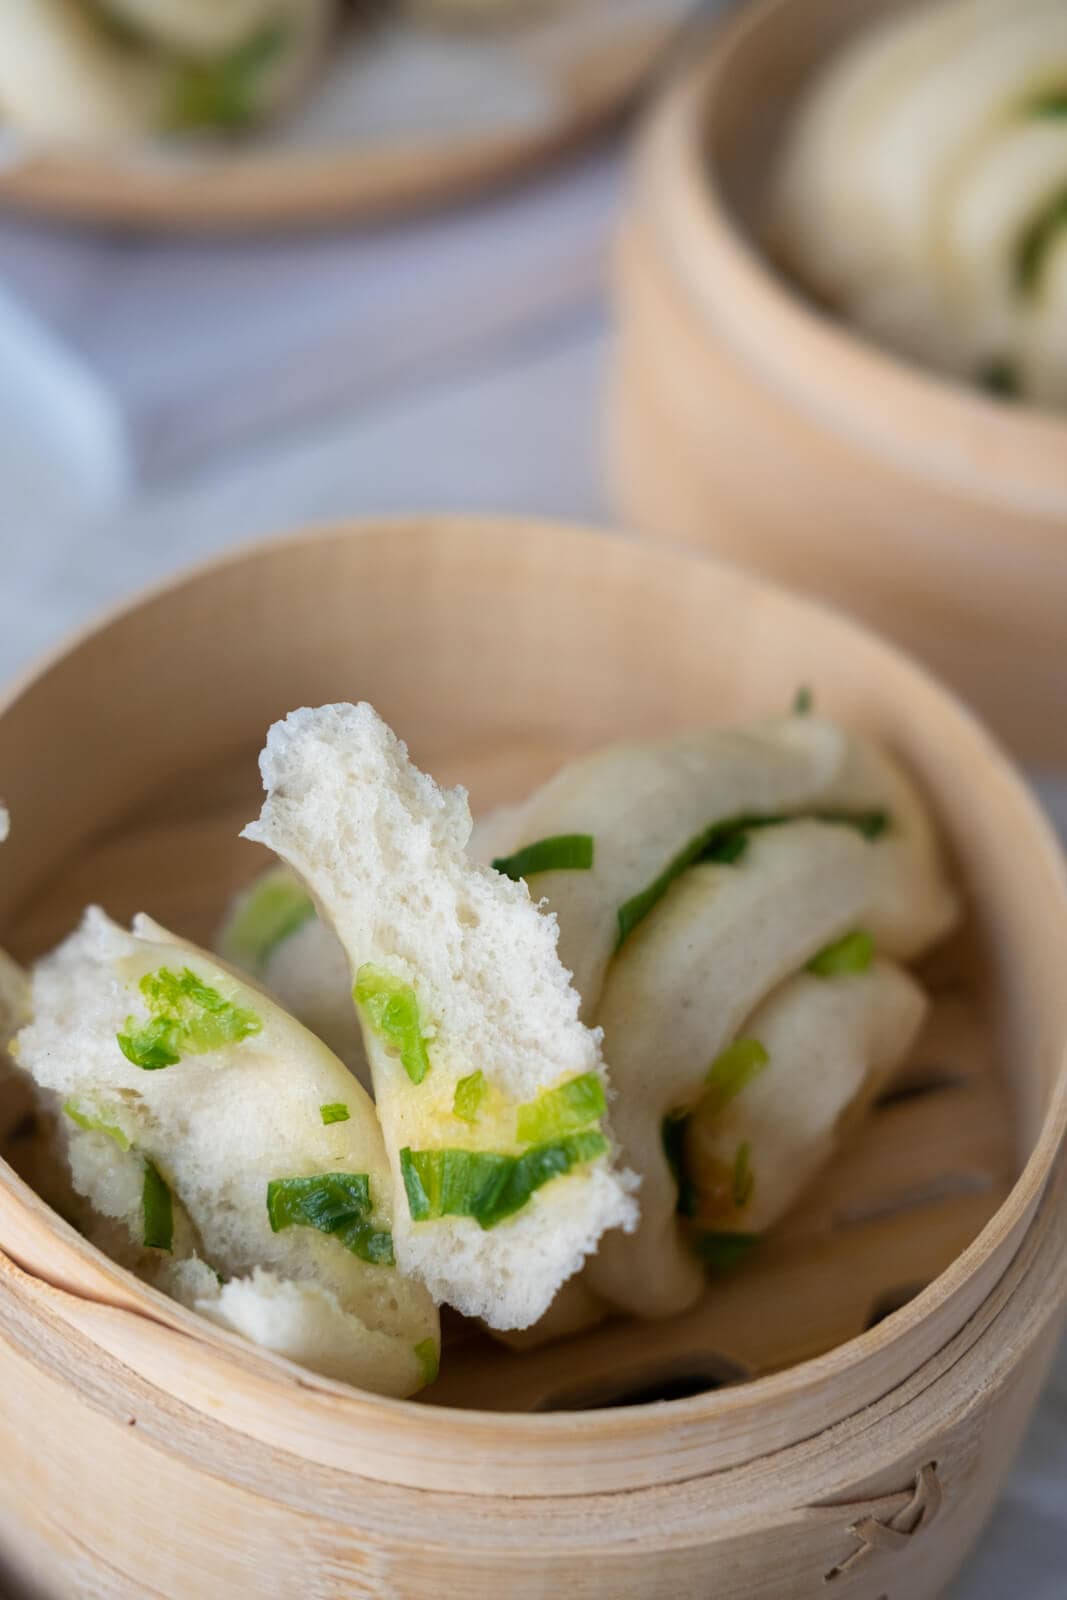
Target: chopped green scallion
column 724, row 843
column 470, row 1096
column 999, row 377
column 158, row 1210
column 803, row 701
column 428, row 1359
column 672, row 1133
column 335, row 1203
column 555, row 1112
column 391, row 1008
column 566, row 852
column 744, row 1179
column 1049, row 103
column 154, row 1045
column 721, row 1252
column 224, row 93
column 1036, row 244
column 187, row 1017
column 335, row 1111
column 846, row 957
column 91, row 1124
column 731, row 1071
column 486, row 1185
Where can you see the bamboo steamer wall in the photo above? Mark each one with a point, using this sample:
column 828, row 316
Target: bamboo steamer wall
column 148, row 1453
column 745, row 421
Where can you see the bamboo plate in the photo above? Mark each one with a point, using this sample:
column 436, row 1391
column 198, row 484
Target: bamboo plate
column 748, row 422
column 899, row 1327
column 282, row 185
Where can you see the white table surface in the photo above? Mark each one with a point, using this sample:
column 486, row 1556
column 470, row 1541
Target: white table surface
column 504, row 417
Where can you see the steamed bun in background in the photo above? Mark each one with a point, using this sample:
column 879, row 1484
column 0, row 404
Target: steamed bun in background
column 922, row 192
column 97, row 71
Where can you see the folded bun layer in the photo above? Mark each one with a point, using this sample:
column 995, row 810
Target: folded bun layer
column 490, row 1090
column 695, row 938
column 223, row 1152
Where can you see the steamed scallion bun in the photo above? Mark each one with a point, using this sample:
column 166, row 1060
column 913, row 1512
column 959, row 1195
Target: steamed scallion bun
column 491, row 1092
column 923, row 190
column 86, row 71
column 737, row 928
column 224, row 1153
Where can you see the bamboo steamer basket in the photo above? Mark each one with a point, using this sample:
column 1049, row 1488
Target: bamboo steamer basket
column 749, row 422
column 263, row 185
column 845, row 1407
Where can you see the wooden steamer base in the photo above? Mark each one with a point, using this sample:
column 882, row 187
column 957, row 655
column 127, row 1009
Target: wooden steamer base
column 150, row 1454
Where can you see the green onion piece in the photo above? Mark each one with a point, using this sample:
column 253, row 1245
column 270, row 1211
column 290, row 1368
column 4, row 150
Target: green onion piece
column 1036, row 243
column 672, row 1133
column 1050, row 103
column 158, row 1210
column 724, row 843
column 572, row 1106
column 730, row 1072
column 426, row 1356
column 999, row 377
column 187, row 1018
column 155, row 1045
column 744, row 1179
column 335, row 1203
column 391, row 1008
column 93, row 1124
column 275, row 908
column 871, row 824
column 721, row 1252
column 727, row 851
column 335, row 1111
column 845, row 957
column 803, row 701
column 470, row 1096
column 567, row 852
column 115, row 29
column 223, row 93
column 636, row 909
column 484, row 1184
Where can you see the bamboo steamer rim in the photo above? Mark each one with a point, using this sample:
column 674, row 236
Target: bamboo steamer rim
column 232, row 1379
column 929, row 425
column 299, row 191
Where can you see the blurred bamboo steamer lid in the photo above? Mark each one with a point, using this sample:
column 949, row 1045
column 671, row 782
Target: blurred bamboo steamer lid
column 746, row 421
column 886, row 1349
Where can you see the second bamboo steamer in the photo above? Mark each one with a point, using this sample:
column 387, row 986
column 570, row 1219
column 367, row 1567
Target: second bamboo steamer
column 745, row 421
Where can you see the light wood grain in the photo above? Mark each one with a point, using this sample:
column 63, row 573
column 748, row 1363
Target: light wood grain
column 748, row 422
column 183, row 1462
